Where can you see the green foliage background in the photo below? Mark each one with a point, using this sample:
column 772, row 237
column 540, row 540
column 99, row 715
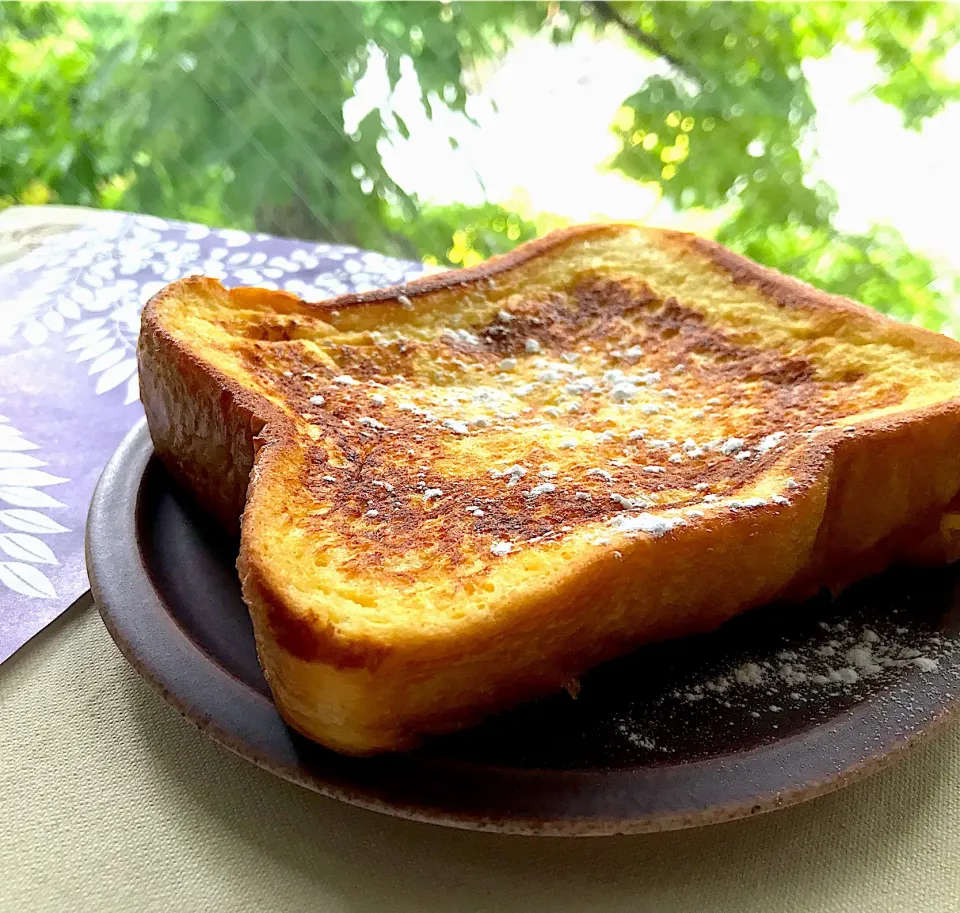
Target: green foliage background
column 232, row 114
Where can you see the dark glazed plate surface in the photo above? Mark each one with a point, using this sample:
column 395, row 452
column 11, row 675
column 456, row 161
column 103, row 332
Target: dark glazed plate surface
column 782, row 705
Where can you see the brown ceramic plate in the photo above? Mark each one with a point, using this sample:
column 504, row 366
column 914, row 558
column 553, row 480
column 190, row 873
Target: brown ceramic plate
column 781, row 705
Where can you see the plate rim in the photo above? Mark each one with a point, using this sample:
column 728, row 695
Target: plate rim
column 119, row 578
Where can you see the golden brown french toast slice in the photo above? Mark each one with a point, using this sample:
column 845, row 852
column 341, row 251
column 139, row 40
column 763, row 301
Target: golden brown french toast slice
column 465, row 492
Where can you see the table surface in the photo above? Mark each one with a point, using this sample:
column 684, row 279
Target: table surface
column 111, row 802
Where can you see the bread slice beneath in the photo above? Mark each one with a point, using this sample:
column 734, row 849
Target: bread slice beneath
column 465, row 492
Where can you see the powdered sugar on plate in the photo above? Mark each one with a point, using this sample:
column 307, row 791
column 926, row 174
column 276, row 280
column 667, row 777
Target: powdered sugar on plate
column 761, row 681
column 836, row 657
column 885, row 653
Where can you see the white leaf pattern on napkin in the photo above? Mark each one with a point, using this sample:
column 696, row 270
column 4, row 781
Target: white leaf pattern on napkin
column 11, row 439
column 28, row 497
column 13, row 460
column 89, row 338
column 83, row 290
column 30, row 477
column 69, row 309
column 35, row 333
column 133, row 390
column 20, row 484
column 107, row 360
column 89, row 271
column 86, row 326
column 26, row 579
column 96, row 349
column 30, row 521
column 27, row 548
column 116, row 375
column 53, row 321
column 14, row 442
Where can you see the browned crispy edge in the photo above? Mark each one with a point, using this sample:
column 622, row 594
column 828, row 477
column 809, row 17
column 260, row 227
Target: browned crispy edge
column 786, row 291
column 248, row 421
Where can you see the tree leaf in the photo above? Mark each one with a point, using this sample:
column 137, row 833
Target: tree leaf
column 164, row 112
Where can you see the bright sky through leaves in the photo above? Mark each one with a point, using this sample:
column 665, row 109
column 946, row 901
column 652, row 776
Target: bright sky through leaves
column 554, row 105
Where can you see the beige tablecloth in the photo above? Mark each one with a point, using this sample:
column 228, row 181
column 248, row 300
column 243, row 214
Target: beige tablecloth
column 109, row 801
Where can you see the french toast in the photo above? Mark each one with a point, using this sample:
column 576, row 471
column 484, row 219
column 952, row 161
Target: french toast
column 464, row 492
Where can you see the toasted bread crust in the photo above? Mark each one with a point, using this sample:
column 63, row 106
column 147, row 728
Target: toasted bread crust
column 360, row 692
column 787, row 291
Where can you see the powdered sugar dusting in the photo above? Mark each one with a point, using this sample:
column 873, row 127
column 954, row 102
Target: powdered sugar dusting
column 760, row 677
column 649, row 524
column 841, row 655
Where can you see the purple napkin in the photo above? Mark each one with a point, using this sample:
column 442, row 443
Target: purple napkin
column 69, row 316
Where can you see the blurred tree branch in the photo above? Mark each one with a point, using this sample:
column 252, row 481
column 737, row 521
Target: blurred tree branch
column 607, row 14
